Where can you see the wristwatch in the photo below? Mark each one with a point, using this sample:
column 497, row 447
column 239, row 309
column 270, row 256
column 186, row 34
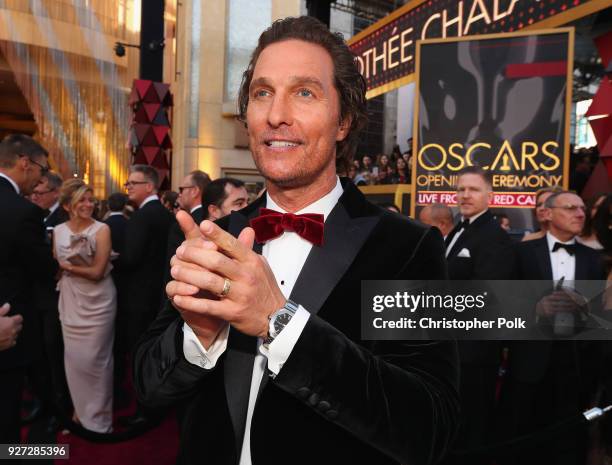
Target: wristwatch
column 279, row 319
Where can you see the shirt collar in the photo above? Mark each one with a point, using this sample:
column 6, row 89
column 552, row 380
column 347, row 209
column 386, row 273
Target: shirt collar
column 550, row 239
column 115, row 214
column 195, row 208
column 322, row 206
column 13, row 183
column 52, row 208
column 149, row 199
column 475, row 217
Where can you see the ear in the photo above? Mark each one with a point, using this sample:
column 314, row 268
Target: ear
column 343, row 130
column 213, row 212
column 548, row 214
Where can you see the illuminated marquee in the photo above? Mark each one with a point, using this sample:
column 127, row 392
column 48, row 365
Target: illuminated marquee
column 385, row 52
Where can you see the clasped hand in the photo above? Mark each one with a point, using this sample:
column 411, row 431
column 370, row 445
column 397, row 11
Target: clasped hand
column 199, row 269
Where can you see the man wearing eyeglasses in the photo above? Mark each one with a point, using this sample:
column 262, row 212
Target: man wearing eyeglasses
column 50, row 370
column 24, row 259
column 548, row 380
column 144, row 254
column 46, row 195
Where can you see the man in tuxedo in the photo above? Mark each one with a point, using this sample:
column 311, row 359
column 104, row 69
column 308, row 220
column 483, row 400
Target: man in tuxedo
column 49, row 370
column 549, row 381
column 223, row 196
column 477, row 248
column 117, row 222
column 143, row 258
column 46, row 196
column 144, row 249
column 262, row 352
column 438, row 215
column 25, row 257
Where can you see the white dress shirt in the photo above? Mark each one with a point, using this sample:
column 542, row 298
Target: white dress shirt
column 13, row 183
column 149, row 199
column 456, row 236
column 195, row 208
column 286, row 256
column 562, row 263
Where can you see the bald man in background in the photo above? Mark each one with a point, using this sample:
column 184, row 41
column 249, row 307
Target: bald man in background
column 438, row 215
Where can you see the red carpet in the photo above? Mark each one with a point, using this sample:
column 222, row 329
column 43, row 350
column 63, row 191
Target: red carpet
column 156, row 447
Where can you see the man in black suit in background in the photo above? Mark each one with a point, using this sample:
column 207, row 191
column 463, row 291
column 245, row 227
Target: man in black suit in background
column 144, row 257
column 549, row 381
column 117, row 222
column 477, row 249
column 46, row 196
column 49, row 371
column 223, row 196
column 24, row 258
column 144, row 250
column 264, row 356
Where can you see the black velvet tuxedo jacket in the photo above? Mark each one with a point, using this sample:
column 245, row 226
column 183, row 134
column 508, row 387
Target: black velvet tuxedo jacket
column 337, row 399
column 490, row 248
column 143, row 260
column 25, row 259
column 529, row 360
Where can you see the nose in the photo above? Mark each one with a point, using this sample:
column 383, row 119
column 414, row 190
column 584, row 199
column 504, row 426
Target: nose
column 279, row 111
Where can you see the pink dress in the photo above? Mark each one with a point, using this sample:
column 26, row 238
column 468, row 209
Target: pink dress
column 87, row 312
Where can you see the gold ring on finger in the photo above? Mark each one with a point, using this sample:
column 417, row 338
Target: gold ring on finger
column 226, row 287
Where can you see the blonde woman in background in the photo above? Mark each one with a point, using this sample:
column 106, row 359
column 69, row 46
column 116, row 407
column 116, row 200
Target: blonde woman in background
column 87, row 306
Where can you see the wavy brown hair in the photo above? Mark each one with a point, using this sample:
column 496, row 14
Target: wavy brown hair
column 349, row 82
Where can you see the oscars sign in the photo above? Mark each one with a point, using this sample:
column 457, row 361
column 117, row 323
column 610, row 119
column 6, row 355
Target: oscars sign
column 497, row 101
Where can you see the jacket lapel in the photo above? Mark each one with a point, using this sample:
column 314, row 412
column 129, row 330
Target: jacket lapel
column 346, row 230
column 465, row 235
column 543, row 258
column 345, row 234
column 582, row 265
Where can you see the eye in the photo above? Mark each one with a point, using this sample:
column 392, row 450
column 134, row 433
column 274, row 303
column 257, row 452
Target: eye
column 260, row 93
column 305, row 93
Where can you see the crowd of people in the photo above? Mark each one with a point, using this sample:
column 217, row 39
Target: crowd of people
column 101, row 268
column 245, row 316
column 395, row 168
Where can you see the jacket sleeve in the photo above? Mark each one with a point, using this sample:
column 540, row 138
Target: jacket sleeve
column 38, row 258
column 399, row 396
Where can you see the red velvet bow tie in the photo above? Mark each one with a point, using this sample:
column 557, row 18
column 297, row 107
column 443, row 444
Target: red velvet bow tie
column 270, row 224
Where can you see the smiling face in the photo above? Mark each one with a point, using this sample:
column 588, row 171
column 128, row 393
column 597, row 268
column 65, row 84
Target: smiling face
column 83, row 208
column 293, row 114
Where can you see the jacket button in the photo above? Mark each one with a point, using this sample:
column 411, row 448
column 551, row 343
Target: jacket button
column 303, row 392
column 323, row 406
column 313, row 399
column 331, row 414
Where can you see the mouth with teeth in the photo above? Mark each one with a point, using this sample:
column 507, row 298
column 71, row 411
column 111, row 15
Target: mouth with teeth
column 281, row 143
